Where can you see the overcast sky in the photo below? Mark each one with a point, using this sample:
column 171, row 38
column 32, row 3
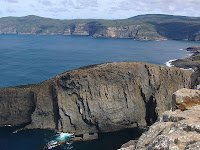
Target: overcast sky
column 100, row 9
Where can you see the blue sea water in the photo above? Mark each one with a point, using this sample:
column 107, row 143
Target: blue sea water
column 26, row 59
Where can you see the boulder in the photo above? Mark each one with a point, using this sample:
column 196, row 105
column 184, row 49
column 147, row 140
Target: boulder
column 175, row 130
column 185, row 98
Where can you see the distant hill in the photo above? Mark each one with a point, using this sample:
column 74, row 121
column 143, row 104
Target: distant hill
column 142, row 27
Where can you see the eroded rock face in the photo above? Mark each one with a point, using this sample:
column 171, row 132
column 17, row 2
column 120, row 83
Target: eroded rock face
column 16, row 106
column 102, row 98
column 175, row 130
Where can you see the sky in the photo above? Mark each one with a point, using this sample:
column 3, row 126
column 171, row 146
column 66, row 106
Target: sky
column 98, row 9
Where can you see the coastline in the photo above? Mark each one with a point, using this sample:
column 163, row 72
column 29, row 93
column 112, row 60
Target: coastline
column 190, row 62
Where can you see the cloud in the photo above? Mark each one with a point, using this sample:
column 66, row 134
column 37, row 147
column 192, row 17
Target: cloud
column 10, row 10
column 45, row 2
column 11, row 1
column 157, row 6
column 80, row 4
column 57, row 10
column 105, row 9
column 31, row 5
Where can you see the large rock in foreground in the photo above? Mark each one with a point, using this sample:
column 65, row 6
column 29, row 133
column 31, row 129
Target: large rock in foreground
column 101, row 98
column 175, row 130
column 186, row 98
column 178, row 130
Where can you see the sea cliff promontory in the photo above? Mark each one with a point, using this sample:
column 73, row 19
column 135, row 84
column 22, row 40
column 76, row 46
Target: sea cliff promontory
column 100, row 98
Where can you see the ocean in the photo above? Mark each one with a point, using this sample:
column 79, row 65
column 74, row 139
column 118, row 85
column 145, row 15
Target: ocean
column 27, row 59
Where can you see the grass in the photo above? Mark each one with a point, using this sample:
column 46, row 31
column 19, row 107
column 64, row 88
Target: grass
column 196, row 58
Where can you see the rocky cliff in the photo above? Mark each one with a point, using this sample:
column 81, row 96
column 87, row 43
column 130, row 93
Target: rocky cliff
column 174, row 130
column 136, row 32
column 100, row 98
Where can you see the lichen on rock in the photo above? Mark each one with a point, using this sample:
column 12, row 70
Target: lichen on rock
column 174, row 130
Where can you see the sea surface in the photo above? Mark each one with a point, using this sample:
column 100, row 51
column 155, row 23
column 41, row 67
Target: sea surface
column 26, row 59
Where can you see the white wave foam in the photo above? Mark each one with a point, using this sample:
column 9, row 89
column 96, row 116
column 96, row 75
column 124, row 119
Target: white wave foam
column 190, row 69
column 181, row 49
column 8, row 125
column 16, row 131
column 63, row 136
column 168, row 63
column 60, row 137
column 52, row 144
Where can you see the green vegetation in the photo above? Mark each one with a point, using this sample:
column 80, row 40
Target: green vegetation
column 151, row 26
column 196, row 58
column 88, row 66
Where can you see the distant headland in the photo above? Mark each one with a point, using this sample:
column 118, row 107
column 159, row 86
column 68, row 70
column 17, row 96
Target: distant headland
column 142, row 27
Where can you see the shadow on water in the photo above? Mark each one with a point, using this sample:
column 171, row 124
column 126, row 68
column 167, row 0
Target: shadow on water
column 12, row 138
column 109, row 141
column 38, row 140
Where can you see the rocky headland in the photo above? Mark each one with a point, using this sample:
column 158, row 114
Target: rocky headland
column 90, row 100
column 190, row 62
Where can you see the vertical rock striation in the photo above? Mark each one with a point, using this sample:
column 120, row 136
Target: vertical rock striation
column 101, row 98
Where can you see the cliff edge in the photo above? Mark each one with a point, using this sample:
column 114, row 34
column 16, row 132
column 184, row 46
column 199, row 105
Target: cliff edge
column 100, row 98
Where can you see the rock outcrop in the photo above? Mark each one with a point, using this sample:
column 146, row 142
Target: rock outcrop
column 185, row 98
column 175, row 130
column 179, row 129
column 101, row 98
column 191, row 62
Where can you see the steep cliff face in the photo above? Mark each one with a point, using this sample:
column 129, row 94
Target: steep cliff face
column 77, row 29
column 16, row 106
column 137, row 32
column 117, row 32
column 102, row 98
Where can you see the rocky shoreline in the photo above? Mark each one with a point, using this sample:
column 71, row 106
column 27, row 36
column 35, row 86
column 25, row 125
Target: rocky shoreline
column 191, row 62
